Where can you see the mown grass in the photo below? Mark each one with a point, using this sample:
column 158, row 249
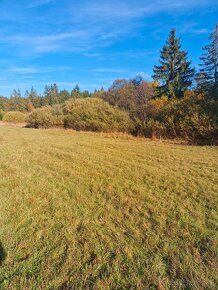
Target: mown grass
column 81, row 211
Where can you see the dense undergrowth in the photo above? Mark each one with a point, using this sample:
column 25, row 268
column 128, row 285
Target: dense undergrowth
column 193, row 119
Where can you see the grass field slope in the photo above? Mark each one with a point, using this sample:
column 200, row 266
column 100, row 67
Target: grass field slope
column 89, row 211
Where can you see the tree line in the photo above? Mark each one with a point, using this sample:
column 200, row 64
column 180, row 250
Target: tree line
column 179, row 102
column 32, row 100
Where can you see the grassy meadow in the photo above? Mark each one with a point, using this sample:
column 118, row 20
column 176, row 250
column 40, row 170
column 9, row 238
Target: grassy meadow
column 91, row 211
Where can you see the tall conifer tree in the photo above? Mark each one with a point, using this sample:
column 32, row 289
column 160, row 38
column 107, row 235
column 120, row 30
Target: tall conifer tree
column 174, row 72
column 207, row 78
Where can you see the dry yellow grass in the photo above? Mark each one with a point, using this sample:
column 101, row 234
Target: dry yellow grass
column 81, row 211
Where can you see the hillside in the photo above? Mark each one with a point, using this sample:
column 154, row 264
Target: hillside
column 89, row 211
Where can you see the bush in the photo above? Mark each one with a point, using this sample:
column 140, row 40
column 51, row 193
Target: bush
column 14, row 117
column 1, row 116
column 92, row 114
column 153, row 129
column 44, row 118
column 155, row 106
column 192, row 119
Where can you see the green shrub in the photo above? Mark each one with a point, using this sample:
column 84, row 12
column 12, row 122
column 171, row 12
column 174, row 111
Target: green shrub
column 1, row 116
column 14, row 117
column 44, row 118
column 92, row 114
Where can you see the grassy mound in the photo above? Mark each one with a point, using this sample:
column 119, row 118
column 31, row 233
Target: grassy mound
column 14, row 117
column 83, row 115
column 45, row 117
column 95, row 115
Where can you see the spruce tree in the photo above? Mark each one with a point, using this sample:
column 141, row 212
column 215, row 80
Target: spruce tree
column 51, row 95
column 174, row 72
column 207, row 78
column 75, row 93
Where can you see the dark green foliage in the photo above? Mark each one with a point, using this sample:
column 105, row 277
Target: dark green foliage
column 16, row 93
column 207, row 78
column 17, row 102
column 174, row 72
column 64, row 96
column 2, row 254
column 85, row 94
column 1, row 115
column 51, row 95
column 95, row 115
column 75, row 93
column 34, row 98
column 2, row 103
column 137, row 80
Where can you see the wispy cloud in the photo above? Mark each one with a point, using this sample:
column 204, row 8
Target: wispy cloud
column 98, row 23
column 200, row 31
column 23, row 70
column 90, row 41
column 38, row 3
column 114, row 10
column 109, row 70
column 44, row 43
column 37, row 70
column 70, row 41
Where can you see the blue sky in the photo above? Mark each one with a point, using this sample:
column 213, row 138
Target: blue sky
column 94, row 42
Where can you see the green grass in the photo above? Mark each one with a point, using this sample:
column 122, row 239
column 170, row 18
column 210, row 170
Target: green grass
column 86, row 211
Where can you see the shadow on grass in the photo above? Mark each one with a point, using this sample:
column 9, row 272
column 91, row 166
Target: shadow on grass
column 2, row 254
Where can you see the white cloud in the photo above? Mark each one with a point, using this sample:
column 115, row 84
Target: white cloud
column 82, row 26
column 199, row 31
column 109, row 70
column 114, row 10
column 31, row 30
column 38, row 3
column 23, row 70
column 38, row 70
